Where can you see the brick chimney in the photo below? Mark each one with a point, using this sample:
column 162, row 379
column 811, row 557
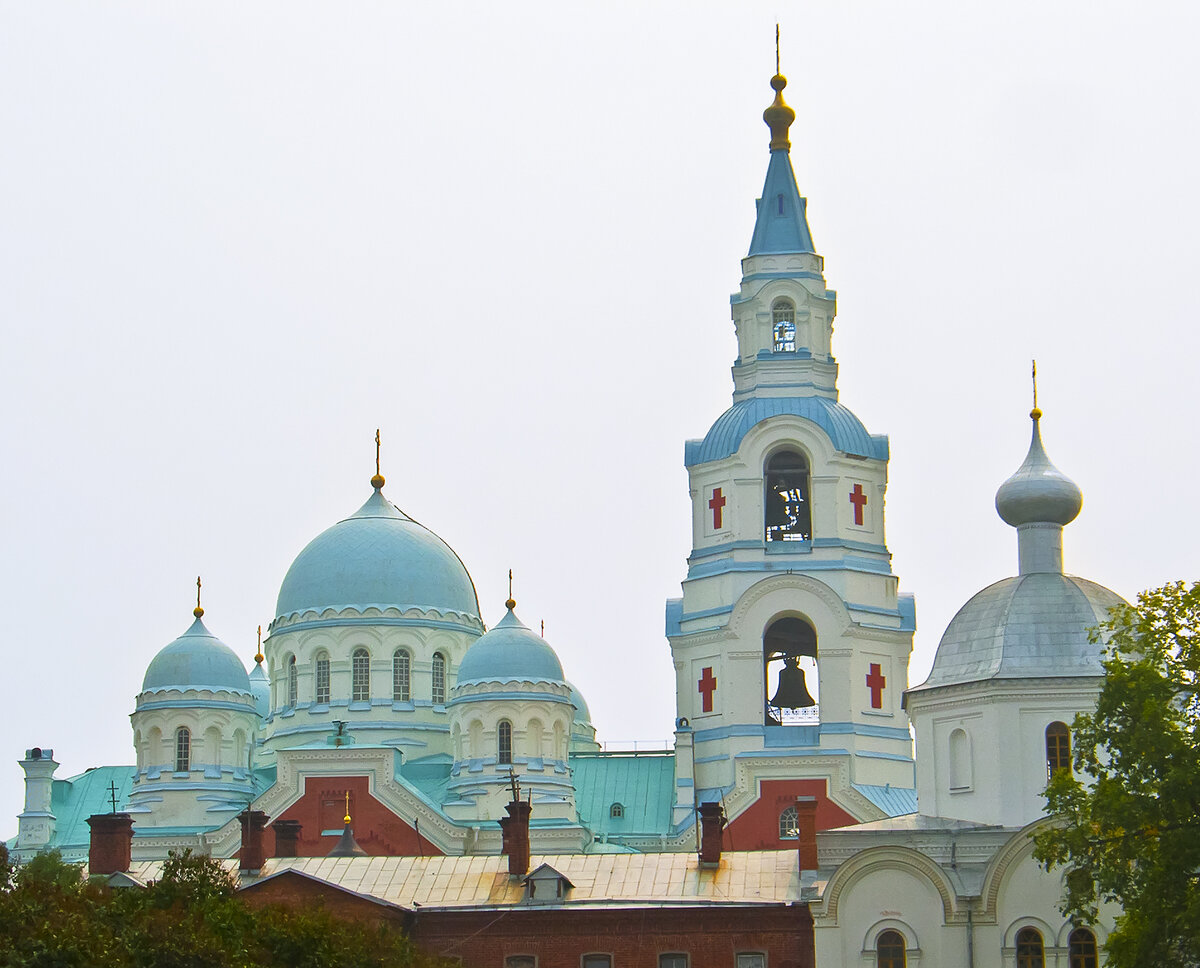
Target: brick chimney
column 806, row 816
column 514, row 831
column 253, row 851
column 111, row 847
column 712, row 830
column 287, row 837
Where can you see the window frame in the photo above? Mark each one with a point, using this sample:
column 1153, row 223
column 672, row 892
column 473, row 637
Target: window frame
column 183, row 750
column 402, row 675
column 783, row 314
column 321, row 680
column 504, row 743
column 1058, row 748
column 596, row 959
column 616, row 811
column 795, row 823
column 1029, row 948
column 687, row 961
column 1083, row 959
column 521, row 958
column 760, row 955
column 895, row 951
column 437, row 691
column 360, row 675
column 293, row 682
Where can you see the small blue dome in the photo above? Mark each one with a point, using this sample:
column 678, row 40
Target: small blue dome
column 197, row 660
column 582, row 713
column 377, row 557
column 260, row 685
column 510, row 653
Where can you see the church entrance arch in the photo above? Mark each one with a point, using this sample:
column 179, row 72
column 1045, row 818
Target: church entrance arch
column 791, row 684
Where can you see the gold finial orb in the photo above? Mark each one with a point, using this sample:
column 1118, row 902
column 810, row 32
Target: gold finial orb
column 511, row 604
column 377, row 482
column 779, row 116
column 1035, row 414
column 197, row 611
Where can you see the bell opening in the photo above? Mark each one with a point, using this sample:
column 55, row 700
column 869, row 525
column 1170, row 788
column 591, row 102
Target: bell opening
column 790, row 673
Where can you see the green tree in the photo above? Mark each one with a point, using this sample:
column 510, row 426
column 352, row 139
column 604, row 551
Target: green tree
column 1129, row 817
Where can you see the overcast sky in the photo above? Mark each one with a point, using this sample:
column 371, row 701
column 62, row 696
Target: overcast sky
column 235, row 238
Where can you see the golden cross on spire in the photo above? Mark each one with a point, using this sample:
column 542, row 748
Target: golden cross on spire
column 512, row 602
column 377, row 481
column 258, row 656
column 347, row 820
column 1035, row 413
column 197, row 611
column 776, row 48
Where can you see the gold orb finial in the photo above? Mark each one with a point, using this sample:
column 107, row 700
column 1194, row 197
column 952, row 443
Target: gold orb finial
column 197, row 611
column 346, row 819
column 258, row 656
column 512, row 602
column 779, row 116
column 377, row 481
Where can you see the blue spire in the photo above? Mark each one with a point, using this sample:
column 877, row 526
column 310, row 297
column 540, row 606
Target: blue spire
column 782, row 224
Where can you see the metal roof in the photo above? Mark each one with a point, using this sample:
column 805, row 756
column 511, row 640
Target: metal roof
column 745, row 877
column 643, row 783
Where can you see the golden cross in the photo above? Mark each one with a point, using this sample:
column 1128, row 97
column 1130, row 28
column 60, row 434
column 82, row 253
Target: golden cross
column 376, row 450
column 1035, row 384
column 777, row 48
column 197, row 591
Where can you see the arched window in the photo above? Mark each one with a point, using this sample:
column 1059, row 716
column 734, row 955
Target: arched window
column 293, row 682
column 360, row 676
column 889, row 950
column 439, row 679
column 183, row 750
column 790, row 673
column 401, row 671
column 212, row 747
column 504, row 742
column 616, row 811
column 1058, row 748
column 1029, row 949
column 533, row 737
column 789, row 824
column 788, row 516
column 321, row 692
column 1082, row 948
column 783, row 327
column 960, row 760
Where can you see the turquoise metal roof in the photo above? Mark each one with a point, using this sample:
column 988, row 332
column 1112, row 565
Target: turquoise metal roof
column 782, row 223
column 894, row 801
column 643, row 783
column 377, row 557
column 582, row 713
column 510, row 652
column 260, row 685
column 196, row 660
column 75, row 799
column 844, row 429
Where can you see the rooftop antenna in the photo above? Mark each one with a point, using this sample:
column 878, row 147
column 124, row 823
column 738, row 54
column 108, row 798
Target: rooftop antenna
column 197, row 611
column 112, row 794
column 377, row 481
column 514, row 784
column 258, row 656
column 1035, row 413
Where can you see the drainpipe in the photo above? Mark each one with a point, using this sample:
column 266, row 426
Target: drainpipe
column 970, row 938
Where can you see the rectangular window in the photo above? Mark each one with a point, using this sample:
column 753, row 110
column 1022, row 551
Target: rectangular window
column 322, row 692
column 596, row 961
column 675, row 959
column 751, row 959
column 520, row 961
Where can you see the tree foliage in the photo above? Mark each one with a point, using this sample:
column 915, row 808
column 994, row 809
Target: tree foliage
column 1129, row 827
column 192, row 917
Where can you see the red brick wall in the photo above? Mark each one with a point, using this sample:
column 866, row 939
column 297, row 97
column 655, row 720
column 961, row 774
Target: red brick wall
column 757, row 827
column 323, row 804
column 293, row 890
column 712, row 937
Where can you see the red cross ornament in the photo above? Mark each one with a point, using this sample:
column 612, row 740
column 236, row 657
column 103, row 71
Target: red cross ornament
column 717, row 502
column 875, row 682
column 859, row 499
column 706, row 686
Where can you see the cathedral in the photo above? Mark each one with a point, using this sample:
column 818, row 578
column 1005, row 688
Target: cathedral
column 380, row 693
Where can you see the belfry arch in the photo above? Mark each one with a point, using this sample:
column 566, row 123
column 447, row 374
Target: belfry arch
column 791, row 684
column 787, row 513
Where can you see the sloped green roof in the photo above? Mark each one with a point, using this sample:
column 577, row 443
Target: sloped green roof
column 643, row 783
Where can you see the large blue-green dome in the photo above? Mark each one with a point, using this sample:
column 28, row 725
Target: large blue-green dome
column 510, row 653
column 377, row 557
column 197, row 660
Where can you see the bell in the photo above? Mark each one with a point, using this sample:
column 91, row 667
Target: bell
column 792, row 692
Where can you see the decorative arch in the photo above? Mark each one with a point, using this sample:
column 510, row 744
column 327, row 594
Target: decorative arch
column 1019, row 924
column 790, row 661
column 1018, row 848
column 962, row 774
column 877, row 937
column 783, row 325
column 212, row 747
column 533, row 737
column 878, row 859
column 787, row 496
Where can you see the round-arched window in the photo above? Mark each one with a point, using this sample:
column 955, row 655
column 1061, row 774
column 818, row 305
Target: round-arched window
column 504, row 742
column 360, row 676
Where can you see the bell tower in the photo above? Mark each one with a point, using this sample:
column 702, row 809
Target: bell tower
column 791, row 640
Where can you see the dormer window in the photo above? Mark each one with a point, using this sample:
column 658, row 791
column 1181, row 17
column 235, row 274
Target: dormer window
column 783, row 327
column 616, row 811
column 545, row 885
